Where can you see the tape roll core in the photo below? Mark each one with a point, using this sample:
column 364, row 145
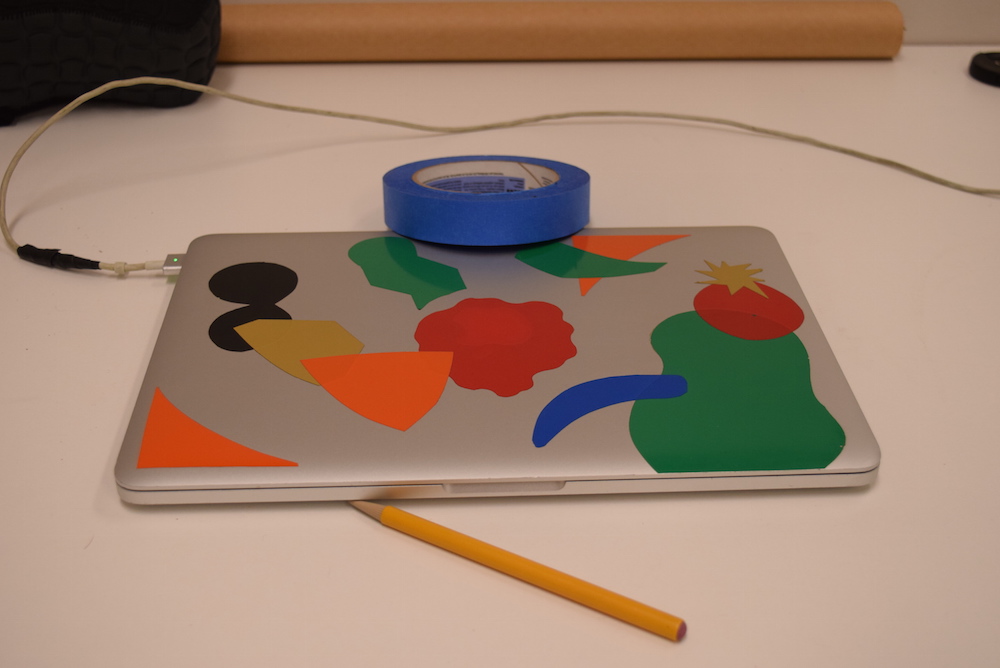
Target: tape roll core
column 486, row 200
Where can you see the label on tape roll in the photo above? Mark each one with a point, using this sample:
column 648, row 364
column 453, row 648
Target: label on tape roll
column 486, row 200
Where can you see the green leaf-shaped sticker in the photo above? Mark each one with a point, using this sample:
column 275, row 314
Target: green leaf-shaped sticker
column 392, row 263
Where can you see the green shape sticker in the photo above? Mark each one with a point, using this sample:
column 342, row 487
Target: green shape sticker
column 565, row 261
column 392, row 263
column 749, row 405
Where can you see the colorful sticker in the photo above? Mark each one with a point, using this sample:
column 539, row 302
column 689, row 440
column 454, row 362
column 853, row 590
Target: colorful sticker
column 749, row 405
column 392, row 263
column 566, row 261
column 737, row 303
column 619, row 247
column 173, row 440
column 498, row 346
column 579, row 400
column 394, row 389
column 259, row 285
column 285, row 343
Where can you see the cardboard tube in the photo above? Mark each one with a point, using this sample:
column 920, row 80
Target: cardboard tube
column 600, row 30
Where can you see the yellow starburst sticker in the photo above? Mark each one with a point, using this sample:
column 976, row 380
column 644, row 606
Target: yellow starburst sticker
column 733, row 277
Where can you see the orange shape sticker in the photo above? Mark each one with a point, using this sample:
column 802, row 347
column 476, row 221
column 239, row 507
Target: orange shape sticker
column 174, row 440
column 285, row 343
column 395, row 389
column 619, row 247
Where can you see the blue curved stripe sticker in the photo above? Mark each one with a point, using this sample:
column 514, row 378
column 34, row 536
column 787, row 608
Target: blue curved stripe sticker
column 579, row 400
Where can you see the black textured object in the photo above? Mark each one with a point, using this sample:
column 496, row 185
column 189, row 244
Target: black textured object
column 51, row 257
column 52, row 51
column 985, row 67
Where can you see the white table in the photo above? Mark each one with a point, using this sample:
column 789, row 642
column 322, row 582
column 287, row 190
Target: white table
column 901, row 273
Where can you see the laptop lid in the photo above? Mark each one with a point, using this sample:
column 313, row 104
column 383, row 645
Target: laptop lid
column 352, row 365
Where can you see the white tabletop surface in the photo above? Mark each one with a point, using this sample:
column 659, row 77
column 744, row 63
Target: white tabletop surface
column 901, row 273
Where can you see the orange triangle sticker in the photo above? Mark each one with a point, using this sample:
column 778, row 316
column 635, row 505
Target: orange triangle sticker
column 619, row 247
column 174, row 440
column 394, row 389
column 586, row 284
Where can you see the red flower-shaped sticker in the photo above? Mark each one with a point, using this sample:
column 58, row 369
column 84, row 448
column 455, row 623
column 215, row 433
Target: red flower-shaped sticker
column 497, row 345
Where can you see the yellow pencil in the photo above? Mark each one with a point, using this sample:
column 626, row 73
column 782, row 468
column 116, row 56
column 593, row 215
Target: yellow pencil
column 575, row 589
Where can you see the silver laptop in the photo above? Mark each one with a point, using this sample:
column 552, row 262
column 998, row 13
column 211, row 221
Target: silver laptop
column 341, row 366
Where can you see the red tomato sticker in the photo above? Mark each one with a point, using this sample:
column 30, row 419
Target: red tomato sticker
column 748, row 314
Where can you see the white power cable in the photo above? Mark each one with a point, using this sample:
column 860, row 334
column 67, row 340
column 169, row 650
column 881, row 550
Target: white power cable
column 122, row 268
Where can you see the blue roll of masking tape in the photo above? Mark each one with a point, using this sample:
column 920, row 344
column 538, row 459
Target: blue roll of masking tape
column 486, row 200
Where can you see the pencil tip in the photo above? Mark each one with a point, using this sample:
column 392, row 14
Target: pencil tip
column 373, row 510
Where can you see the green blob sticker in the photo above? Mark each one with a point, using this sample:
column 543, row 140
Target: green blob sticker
column 749, row 405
